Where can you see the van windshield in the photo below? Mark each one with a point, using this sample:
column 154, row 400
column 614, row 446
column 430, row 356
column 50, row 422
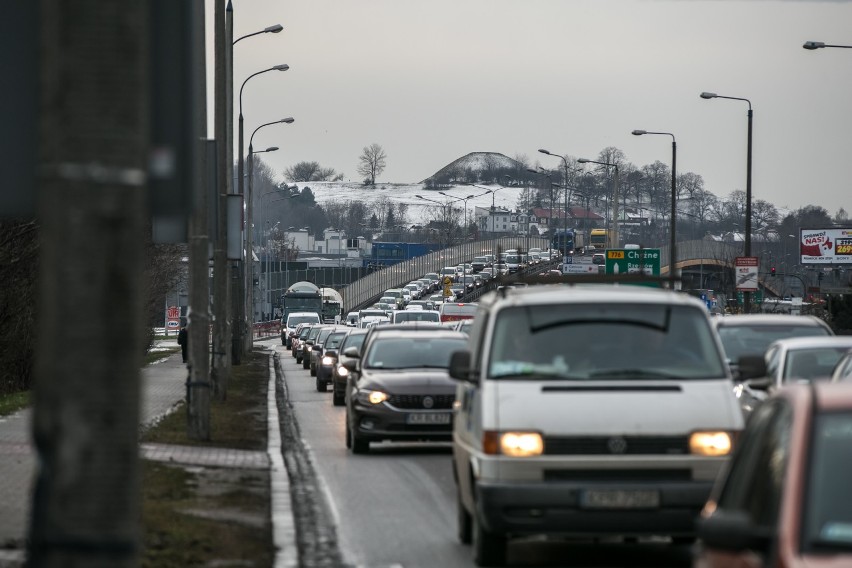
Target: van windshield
column 604, row 342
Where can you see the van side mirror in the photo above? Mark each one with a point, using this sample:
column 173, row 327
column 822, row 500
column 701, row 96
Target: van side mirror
column 460, row 366
column 751, row 367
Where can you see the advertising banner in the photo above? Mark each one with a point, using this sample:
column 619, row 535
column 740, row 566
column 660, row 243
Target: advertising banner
column 826, row 246
column 747, row 273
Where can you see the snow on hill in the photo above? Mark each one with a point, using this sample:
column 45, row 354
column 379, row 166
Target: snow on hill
column 505, row 197
column 478, row 162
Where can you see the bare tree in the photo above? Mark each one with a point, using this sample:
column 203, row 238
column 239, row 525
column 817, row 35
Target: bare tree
column 372, row 162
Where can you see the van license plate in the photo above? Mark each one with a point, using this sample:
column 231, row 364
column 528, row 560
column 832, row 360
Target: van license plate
column 429, row 418
column 619, row 499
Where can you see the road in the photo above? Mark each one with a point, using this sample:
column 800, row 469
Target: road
column 396, row 505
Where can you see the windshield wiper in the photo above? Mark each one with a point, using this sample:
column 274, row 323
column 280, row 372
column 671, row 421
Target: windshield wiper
column 630, row 373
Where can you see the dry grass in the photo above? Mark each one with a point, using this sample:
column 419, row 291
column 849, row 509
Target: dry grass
column 195, row 516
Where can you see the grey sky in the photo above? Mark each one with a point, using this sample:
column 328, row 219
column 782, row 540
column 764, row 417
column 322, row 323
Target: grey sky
column 431, row 80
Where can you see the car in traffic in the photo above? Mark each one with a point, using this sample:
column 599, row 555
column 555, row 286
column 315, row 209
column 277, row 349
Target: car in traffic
column 298, row 346
column 455, row 311
column 316, row 348
column 327, row 358
column 588, row 411
column 401, row 390
column 803, row 359
column 340, row 374
column 785, row 501
column 842, row 372
column 288, row 327
column 405, row 316
column 307, row 345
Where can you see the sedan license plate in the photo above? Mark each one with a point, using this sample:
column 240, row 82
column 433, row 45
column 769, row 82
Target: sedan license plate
column 428, row 418
column 619, row 499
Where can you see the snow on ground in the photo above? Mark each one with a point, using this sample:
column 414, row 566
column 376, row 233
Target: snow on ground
column 505, row 197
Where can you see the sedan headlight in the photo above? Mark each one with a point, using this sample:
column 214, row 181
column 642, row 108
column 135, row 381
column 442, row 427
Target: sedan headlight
column 328, row 361
column 711, row 444
column 342, row 371
column 371, row 397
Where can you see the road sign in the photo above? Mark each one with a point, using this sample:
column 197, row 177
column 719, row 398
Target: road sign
column 173, row 312
column 580, row 268
column 633, row 261
column 745, row 273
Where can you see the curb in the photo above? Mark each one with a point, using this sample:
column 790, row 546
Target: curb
column 283, row 524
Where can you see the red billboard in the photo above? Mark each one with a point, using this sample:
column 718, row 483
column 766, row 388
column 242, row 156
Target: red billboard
column 826, row 246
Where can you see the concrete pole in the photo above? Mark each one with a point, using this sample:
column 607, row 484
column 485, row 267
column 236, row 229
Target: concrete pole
column 93, row 214
column 198, row 403
column 220, row 357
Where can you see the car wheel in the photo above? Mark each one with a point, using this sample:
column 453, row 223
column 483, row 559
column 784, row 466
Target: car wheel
column 489, row 549
column 465, row 522
column 356, row 444
column 348, row 434
column 313, row 371
column 321, row 386
column 306, row 363
column 337, row 398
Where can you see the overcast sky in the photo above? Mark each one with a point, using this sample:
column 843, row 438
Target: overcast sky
column 432, row 80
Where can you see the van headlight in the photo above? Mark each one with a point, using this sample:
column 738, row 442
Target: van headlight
column 514, row 444
column 713, row 444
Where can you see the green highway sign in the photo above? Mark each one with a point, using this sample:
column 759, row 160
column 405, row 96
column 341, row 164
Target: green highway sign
column 633, row 261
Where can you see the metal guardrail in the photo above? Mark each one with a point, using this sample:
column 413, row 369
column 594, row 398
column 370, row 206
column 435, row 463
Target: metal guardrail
column 368, row 289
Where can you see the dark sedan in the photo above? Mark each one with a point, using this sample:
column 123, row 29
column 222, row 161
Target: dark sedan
column 401, row 389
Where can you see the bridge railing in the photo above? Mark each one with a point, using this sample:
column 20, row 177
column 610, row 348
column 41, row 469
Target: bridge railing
column 369, row 288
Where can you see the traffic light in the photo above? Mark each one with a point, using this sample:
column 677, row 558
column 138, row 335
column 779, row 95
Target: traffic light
column 772, row 271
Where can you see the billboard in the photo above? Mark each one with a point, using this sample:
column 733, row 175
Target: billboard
column 825, row 246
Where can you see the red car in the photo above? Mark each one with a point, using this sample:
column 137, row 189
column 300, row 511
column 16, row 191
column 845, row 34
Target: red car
column 786, row 499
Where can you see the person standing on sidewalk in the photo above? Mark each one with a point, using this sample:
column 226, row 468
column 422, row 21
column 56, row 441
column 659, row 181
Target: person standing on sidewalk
column 183, row 340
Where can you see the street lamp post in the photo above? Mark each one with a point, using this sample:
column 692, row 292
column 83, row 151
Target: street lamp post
column 444, row 206
column 465, row 199
column 673, row 242
column 747, row 239
column 615, row 240
column 270, row 30
column 550, row 217
column 812, row 45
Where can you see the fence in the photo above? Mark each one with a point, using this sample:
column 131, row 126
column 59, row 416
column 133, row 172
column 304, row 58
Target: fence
column 369, row 288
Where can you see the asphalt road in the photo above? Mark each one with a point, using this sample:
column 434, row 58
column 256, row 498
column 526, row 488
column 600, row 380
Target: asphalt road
column 396, row 505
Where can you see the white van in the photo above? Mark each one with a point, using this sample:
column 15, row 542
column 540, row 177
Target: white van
column 588, row 411
column 294, row 319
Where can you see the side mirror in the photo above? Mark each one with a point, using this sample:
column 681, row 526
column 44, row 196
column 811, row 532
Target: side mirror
column 351, row 365
column 352, row 352
column 460, row 366
column 733, row 531
column 316, row 348
column 751, row 367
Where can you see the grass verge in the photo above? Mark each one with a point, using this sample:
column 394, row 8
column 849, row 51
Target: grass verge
column 152, row 356
column 11, row 403
column 198, row 516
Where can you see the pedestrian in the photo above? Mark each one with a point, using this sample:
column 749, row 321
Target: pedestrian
column 183, row 340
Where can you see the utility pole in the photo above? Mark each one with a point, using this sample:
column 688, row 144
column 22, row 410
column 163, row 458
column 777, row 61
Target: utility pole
column 221, row 357
column 93, row 125
column 198, row 391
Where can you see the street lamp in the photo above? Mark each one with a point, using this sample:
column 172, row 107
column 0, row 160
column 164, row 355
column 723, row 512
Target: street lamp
column 747, row 240
column 812, row 45
column 543, row 172
column 614, row 236
column 238, row 339
column 672, row 246
column 250, row 216
column 270, row 30
column 445, row 207
column 465, row 199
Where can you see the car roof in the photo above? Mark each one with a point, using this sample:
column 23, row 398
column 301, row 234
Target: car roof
column 829, row 396
column 769, row 319
column 793, row 343
column 587, row 294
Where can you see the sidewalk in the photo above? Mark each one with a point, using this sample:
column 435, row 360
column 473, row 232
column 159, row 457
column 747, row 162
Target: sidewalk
column 162, row 388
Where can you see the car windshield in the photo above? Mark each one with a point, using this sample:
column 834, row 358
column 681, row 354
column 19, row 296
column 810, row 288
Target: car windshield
column 807, row 364
column 314, row 332
column 304, row 333
column 416, row 315
column 408, row 352
column 353, row 340
column 293, row 321
column 333, row 341
column 828, row 517
column 739, row 340
column 323, row 335
column 600, row 342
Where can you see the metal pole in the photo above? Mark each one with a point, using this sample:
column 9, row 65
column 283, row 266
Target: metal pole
column 747, row 295
column 673, row 245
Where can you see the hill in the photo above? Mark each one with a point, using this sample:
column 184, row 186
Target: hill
column 476, row 167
